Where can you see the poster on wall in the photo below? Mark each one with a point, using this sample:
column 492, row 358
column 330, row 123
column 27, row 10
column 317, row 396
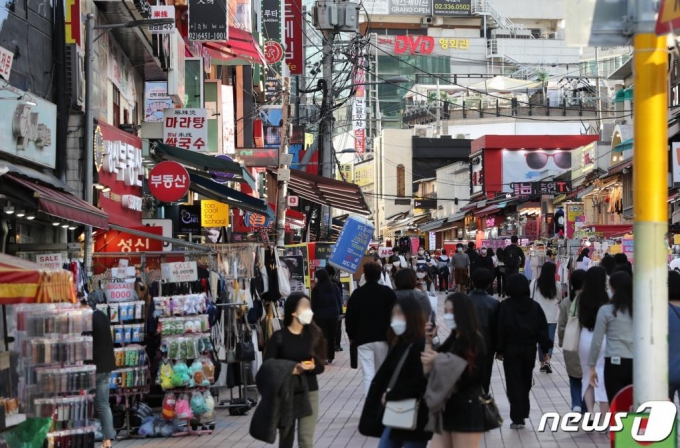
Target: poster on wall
column 293, row 268
column 527, row 166
column 156, row 100
column 301, row 250
column 208, row 20
column 186, row 129
column 575, row 218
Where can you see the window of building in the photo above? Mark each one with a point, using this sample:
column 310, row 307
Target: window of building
column 401, row 181
column 116, row 106
column 126, row 116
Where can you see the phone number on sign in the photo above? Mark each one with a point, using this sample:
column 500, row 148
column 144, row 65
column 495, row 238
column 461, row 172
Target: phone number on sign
column 456, row 7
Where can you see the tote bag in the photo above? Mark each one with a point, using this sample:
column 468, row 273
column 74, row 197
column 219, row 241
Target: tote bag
column 284, row 283
column 572, row 332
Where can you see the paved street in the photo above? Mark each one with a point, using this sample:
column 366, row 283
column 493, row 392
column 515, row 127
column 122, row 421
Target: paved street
column 342, row 400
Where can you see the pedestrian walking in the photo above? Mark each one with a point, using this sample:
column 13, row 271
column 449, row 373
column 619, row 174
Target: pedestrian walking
column 499, row 272
column 433, row 272
column 105, row 362
column 483, row 261
column 521, row 325
column 547, row 292
column 384, row 275
column 461, row 269
column 443, row 263
column 583, row 261
column 472, row 252
column 673, row 334
column 463, row 417
column 326, row 305
column 513, row 257
column 406, row 282
column 592, row 297
column 367, row 321
column 425, row 284
column 333, row 274
column 487, row 312
column 571, row 359
column 301, row 343
column 614, row 321
column 400, row 378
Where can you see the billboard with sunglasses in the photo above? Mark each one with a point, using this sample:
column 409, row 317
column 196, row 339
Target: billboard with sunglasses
column 532, row 166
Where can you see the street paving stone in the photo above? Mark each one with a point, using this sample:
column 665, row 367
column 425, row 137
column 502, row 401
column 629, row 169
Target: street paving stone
column 341, row 395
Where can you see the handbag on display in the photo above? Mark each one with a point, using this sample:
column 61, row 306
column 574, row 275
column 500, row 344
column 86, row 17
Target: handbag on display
column 284, row 283
column 572, row 332
column 230, row 357
column 245, row 350
column 401, row 414
column 492, row 417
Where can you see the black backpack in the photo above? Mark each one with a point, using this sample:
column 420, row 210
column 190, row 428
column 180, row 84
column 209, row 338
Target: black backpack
column 511, row 257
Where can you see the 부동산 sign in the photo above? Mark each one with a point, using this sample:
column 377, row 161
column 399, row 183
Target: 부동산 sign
column 208, row 20
column 452, row 8
column 352, row 243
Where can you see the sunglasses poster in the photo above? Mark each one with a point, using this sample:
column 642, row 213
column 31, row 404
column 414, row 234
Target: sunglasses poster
column 528, row 166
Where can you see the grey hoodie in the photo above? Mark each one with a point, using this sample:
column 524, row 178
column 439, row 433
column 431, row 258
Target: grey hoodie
column 446, row 371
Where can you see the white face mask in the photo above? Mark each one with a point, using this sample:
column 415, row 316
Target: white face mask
column 421, row 252
column 460, row 249
column 396, row 264
column 449, row 321
column 421, row 275
column 398, row 326
column 306, row 316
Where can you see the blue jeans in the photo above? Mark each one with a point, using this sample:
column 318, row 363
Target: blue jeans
column 387, row 442
column 101, row 404
column 575, row 389
column 673, row 390
column 551, row 335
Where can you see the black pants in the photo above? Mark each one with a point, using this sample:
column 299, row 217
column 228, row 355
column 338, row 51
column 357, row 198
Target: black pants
column 518, row 364
column 509, row 271
column 500, row 281
column 616, row 377
column 488, row 371
column 338, row 334
column 329, row 326
column 444, row 280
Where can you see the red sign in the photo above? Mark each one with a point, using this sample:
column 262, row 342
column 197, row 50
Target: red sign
column 414, row 44
column 295, row 57
column 115, row 241
column 273, row 52
column 360, row 141
column 168, row 181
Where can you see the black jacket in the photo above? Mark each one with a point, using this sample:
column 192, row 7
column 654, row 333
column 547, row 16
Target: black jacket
column 521, row 322
column 102, row 343
column 326, row 300
column 487, row 312
column 411, row 383
column 482, row 262
column 284, row 399
column 473, row 255
column 369, row 312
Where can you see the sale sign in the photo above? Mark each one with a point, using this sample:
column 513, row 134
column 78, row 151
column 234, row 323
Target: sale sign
column 186, row 271
column 120, row 290
column 168, row 182
column 51, row 261
column 186, row 129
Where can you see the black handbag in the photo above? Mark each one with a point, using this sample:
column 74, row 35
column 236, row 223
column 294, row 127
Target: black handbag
column 353, row 356
column 245, row 350
column 492, row 417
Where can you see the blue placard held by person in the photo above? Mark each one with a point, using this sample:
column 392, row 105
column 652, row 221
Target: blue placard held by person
column 352, row 244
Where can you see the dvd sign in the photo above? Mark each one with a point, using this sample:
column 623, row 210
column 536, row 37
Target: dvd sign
column 414, row 45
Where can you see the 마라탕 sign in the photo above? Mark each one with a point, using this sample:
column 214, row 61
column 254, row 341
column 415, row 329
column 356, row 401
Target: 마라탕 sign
column 186, row 128
column 186, row 271
column 52, row 261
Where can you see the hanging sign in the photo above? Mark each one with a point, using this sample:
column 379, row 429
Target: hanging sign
column 186, row 128
column 120, row 291
column 168, row 182
column 385, row 252
column 186, row 271
column 52, row 261
column 162, row 12
column 294, row 37
column 352, row 243
column 208, row 20
column 214, row 214
column 6, row 58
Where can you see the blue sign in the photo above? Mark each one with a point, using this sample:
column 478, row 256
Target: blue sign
column 219, row 177
column 352, row 243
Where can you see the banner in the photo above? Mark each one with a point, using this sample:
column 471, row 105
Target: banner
column 294, row 39
column 186, row 129
column 359, row 110
column 576, row 218
column 208, row 20
column 452, row 8
column 156, row 100
column 273, row 50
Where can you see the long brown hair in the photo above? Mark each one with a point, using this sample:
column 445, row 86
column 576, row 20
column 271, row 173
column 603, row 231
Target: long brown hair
column 415, row 322
column 318, row 341
column 468, row 329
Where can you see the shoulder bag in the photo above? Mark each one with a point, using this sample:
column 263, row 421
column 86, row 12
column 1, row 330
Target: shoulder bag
column 572, row 331
column 284, row 284
column 492, row 417
column 401, row 414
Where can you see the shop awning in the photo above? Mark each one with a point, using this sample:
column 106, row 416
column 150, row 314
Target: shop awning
column 430, row 226
column 193, row 159
column 152, row 236
column 212, row 190
column 334, row 193
column 457, row 217
column 6, row 167
column 618, row 168
column 490, row 209
column 241, row 47
column 22, row 281
column 612, row 230
column 623, row 146
column 63, row 205
column 293, row 218
column 469, row 207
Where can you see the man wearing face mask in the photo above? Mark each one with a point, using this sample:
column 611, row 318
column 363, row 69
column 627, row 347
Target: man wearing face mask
column 487, row 312
column 461, row 268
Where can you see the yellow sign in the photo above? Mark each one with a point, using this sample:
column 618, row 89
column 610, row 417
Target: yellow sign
column 669, row 17
column 676, row 239
column 214, row 214
column 615, row 249
column 344, row 172
column 363, row 173
column 455, row 44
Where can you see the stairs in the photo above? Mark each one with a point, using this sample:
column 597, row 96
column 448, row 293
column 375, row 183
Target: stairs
column 497, row 20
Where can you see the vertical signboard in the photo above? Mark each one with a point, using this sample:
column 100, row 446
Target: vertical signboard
column 208, row 20
column 359, row 111
column 186, row 129
column 273, row 50
column 575, row 212
column 72, row 21
column 162, row 12
column 294, row 38
column 228, row 122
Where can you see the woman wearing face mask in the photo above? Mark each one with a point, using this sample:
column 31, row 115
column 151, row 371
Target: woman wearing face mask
column 407, row 340
column 463, row 414
column 301, row 341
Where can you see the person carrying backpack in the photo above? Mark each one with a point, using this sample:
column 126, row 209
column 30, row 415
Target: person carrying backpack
column 514, row 257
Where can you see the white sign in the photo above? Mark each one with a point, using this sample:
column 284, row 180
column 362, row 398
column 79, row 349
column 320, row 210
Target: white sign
column 293, row 201
column 228, row 122
column 186, row 129
column 52, row 261
column 179, row 272
column 385, row 252
column 166, row 225
column 163, row 12
column 120, row 291
column 433, row 241
column 6, row 59
column 676, row 162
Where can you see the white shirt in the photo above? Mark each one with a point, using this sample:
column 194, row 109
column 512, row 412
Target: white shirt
column 585, row 264
column 551, row 307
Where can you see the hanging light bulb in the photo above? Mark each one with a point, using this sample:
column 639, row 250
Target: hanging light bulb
column 55, row 223
column 64, row 225
column 72, row 227
column 30, row 217
column 21, row 214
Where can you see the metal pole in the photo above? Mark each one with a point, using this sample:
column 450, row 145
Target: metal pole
column 327, row 128
column 598, row 91
column 88, row 138
column 439, row 116
column 282, row 190
column 650, row 173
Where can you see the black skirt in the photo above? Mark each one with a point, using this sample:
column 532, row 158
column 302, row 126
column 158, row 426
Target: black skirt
column 464, row 412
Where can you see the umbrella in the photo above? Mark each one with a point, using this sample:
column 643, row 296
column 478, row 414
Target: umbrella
column 22, row 281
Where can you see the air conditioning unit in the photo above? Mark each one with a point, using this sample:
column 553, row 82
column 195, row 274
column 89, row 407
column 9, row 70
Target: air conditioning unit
column 423, row 131
column 426, row 21
column 462, row 135
column 75, row 75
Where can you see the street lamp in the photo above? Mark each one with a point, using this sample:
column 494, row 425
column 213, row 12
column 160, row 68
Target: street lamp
column 88, row 126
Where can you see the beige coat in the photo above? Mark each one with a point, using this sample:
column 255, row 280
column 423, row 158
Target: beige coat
column 571, row 359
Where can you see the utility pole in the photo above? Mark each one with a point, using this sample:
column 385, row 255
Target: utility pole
column 650, row 194
column 88, row 138
column 439, row 114
column 283, row 175
column 327, row 126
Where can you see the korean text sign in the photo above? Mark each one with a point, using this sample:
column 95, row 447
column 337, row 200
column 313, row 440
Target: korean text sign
column 168, row 182
column 162, row 12
column 208, row 20
column 6, row 59
column 294, row 38
column 115, row 241
column 180, row 272
column 186, row 129
column 352, row 243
